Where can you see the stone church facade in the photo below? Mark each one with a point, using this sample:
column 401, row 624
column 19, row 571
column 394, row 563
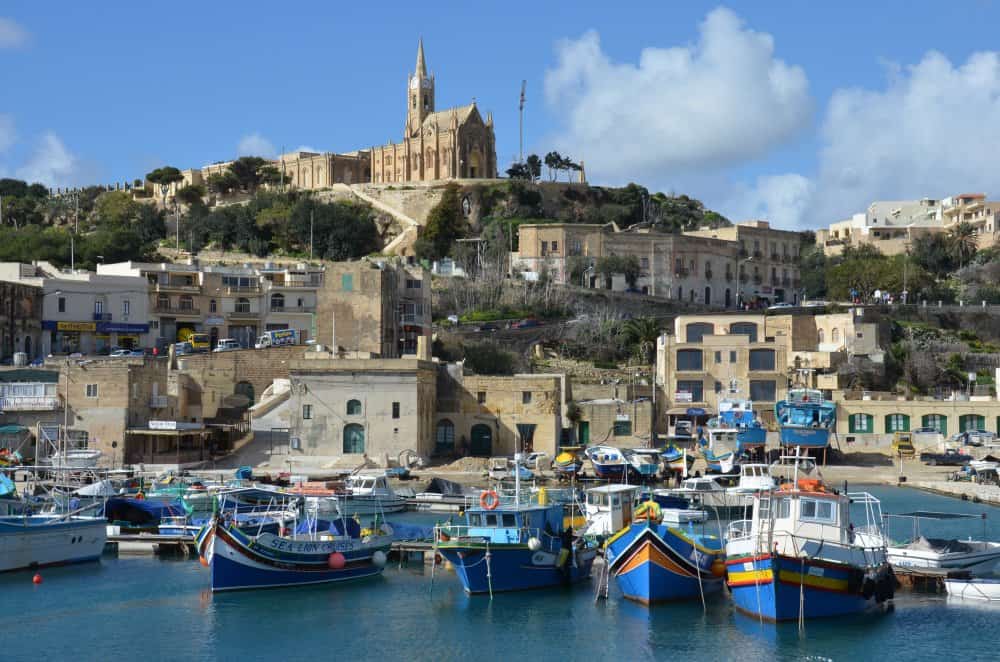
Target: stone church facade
column 448, row 144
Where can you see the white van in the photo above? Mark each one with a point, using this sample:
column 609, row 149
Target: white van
column 226, row 345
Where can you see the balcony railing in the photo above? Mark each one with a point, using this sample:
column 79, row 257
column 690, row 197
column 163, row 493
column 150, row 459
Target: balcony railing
column 294, row 285
column 102, row 317
column 293, row 309
column 708, row 273
column 29, row 403
column 177, row 287
column 244, row 314
column 242, row 289
column 757, row 255
column 681, row 272
column 174, row 310
column 775, row 257
column 158, row 402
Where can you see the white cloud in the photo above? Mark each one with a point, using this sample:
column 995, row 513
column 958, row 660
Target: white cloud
column 12, row 35
column 781, row 199
column 51, row 164
column 256, row 145
column 719, row 102
column 7, row 133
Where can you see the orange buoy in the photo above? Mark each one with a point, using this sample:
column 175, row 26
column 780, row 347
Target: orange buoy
column 489, row 499
column 37, row 579
column 718, row 567
column 203, row 561
column 336, row 561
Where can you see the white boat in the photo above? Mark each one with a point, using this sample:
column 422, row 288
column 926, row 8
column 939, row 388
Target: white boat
column 644, row 463
column 80, row 458
column 978, row 557
column 974, row 589
column 708, row 494
column 365, row 494
column 41, row 540
column 754, row 478
column 609, row 509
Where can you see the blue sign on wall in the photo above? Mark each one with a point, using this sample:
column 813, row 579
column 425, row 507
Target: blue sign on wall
column 695, row 411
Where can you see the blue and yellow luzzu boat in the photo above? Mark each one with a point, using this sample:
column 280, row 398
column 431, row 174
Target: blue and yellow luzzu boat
column 802, row 557
column 514, row 547
column 655, row 563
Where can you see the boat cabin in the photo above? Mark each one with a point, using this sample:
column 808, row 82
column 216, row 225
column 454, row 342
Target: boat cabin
column 368, row 484
column 609, row 508
column 755, row 478
column 703, row 484
column 514, row 524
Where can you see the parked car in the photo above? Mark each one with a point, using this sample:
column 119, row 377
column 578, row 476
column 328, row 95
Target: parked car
column 226, row 345
column 121, row 352
column 181, row 348
column 925, row 431
column 780, row 306
column 950, row 457
column 489, row 327
column 815, row 304
column 527, row 323
column 502, row 468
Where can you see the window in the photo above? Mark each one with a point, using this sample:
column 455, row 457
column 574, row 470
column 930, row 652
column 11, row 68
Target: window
column 762, row 359
column 491, row 520
column 126, row 307
column 718, row 387
column 623, row 428
column 644, row 262
column 395, row 410
column 545, row 248
column 525, row 397
column 971, row 422
column 445, row 436
column 692, row 386
column 347, row 282
column 744, row 329
column 163, row 301
column 481, row 397
column 696, row 330
column 509, row 520
column 91, row 390
column 475, row 519
column 689, row 359
column 783, row 508
column 242, row 305
column 98, row 307
column 187, row 303
column 353, row 407
column 555, row 246
column 821, row 336
column 307, row 412
column 763, row 390
column 212, row 306
column 354, row 438
column 813, row 509
column 835, row 335
column 861, row 423
column 277, row 301
column 937, row 421
column 62, row 304
column 718, row 357
column 412, row 284
column 732, row 356
column 897, row 423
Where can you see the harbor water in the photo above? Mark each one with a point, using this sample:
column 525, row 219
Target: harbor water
column 155, row 609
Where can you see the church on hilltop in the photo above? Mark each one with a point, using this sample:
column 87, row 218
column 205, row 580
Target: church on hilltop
column 437, row 144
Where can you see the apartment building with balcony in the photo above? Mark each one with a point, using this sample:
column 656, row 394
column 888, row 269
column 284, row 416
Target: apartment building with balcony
column 85, row 312
column 20, row 320
column 767, row 258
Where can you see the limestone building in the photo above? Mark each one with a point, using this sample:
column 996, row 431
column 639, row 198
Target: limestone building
column 446, row 144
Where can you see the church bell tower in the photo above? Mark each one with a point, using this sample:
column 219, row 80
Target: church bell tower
column 420, row 99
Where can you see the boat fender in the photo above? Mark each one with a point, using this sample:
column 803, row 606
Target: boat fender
column 489, row 499
column 140, row 496
column 534, row 544
column 718, row 567
column 336, row 561
column 563, row 557
column 379, row 558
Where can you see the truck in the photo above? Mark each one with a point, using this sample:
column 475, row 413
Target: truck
column 950, row 457
column 277, row 338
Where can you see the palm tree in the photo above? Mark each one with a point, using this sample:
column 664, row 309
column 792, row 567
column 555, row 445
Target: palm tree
column 643, row 333
column 964, row 242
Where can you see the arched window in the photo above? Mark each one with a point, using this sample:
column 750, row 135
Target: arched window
column 821, row 336
column 242, row 305
column 353, row 407
column 696, row 330
column 971, row 422
column 481, row 442
column 937, row 421
column 835, row 334
column 186, row 302
column 444, row 439
column 354, row 438
column 897, row 423
column 277, row 301
column 212, row 306
column 861, row 423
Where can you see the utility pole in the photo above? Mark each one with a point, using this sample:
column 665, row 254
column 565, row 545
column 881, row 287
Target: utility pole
column 72, row 254
column 520, row 123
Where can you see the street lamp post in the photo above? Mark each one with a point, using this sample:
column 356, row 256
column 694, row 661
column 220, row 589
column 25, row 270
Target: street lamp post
column 739, row 279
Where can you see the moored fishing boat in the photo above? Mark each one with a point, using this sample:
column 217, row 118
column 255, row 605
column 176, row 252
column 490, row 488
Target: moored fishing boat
column 608, row 462
column 676, row 459
column 643, row 463
column 567, row 463
column 801, row 556
column 737, row 414
column 973, row 589
column 309, row 555
column 33, row 541
column 514, row 546
column 653, row 562
column 805, row 418
column 977, row 557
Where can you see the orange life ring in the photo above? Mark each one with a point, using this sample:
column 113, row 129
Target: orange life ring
column 489, row 500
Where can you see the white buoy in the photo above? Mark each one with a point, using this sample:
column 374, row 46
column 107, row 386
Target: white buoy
column 379, row 558
column 534, row 544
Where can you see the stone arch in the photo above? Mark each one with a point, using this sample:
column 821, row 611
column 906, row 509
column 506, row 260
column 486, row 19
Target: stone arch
column 354, row 438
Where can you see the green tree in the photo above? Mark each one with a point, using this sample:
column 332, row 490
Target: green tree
column 191, row 194
column 964, row 242
column 534, row 166
column 519, row 171
column 445, row 224
column 223, row 183
column 642, row 333
column 165, row 176
column 626, row 265
column 250, row 172
column 812, row 270
column 489, row 359
column 553, row 161
column 935, row 253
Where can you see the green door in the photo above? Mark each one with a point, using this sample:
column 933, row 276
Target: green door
column 584, row 433
column 482, row 440
column 354, row 438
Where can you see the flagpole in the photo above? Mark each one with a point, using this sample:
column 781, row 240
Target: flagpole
column 520, row 122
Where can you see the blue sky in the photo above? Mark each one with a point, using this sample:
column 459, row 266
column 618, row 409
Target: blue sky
column 798, row 112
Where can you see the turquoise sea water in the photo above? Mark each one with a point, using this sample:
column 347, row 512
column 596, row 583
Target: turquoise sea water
column 143, row 608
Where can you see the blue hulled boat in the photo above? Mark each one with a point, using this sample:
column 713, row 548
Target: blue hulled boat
column 802, row 557
column 653, row 562
column 309, row 556
column 805, row 418
column 676, row 459
column 608, row 462
column 512, row 546
column 738, row 414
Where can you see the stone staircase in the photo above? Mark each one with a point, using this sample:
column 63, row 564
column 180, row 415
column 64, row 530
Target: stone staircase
column 411, row 228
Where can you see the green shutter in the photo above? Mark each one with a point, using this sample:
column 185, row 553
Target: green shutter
column 902, row 423
column 861, row 423
column 347, row 282
column 942, row 426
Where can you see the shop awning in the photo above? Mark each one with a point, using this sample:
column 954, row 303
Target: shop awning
column 690, row 411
